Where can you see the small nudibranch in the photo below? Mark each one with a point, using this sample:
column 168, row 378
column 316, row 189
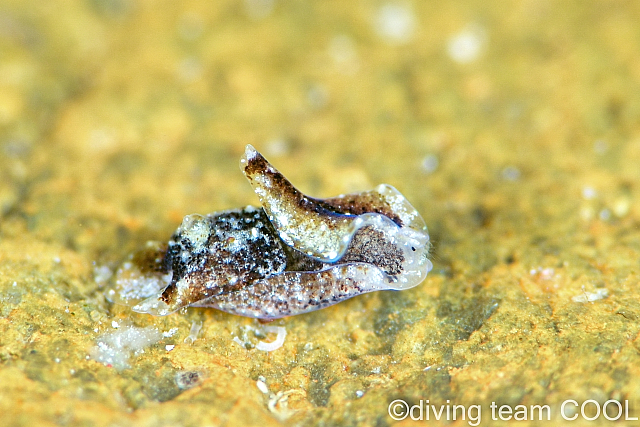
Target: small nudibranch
column 294, row 255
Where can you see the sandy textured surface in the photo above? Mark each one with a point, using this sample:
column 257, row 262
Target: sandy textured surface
column 513, row 127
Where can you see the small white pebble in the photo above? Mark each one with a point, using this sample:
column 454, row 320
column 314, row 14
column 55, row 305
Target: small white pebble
column 359, row 393
column 115, row 324
column 262, row 386
column 169, row 347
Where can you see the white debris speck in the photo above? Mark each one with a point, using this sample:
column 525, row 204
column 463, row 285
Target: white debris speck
column 395, row 23
column 102, row 274
column 429, row 163
column 281, row 332
column 544, row 273
column 254, row 233
column 262, row 386
column 193, row 332
column 605, row 214
column 169, row 347
column 102, row 139
column 114, row 324
column 621, row 206
column 591, row 296
column 547, row 273
column 467, row 45
column 278, row 403
column 511, row 173
column 134, row 286
column 589, row 193
column 171, row 332
column 115, row 348
column 249, row 333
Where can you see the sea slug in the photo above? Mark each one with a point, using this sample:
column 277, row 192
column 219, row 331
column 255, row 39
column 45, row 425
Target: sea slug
column 293, row 255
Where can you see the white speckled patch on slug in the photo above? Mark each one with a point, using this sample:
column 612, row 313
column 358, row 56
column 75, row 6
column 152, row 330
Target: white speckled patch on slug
column 294, row 255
